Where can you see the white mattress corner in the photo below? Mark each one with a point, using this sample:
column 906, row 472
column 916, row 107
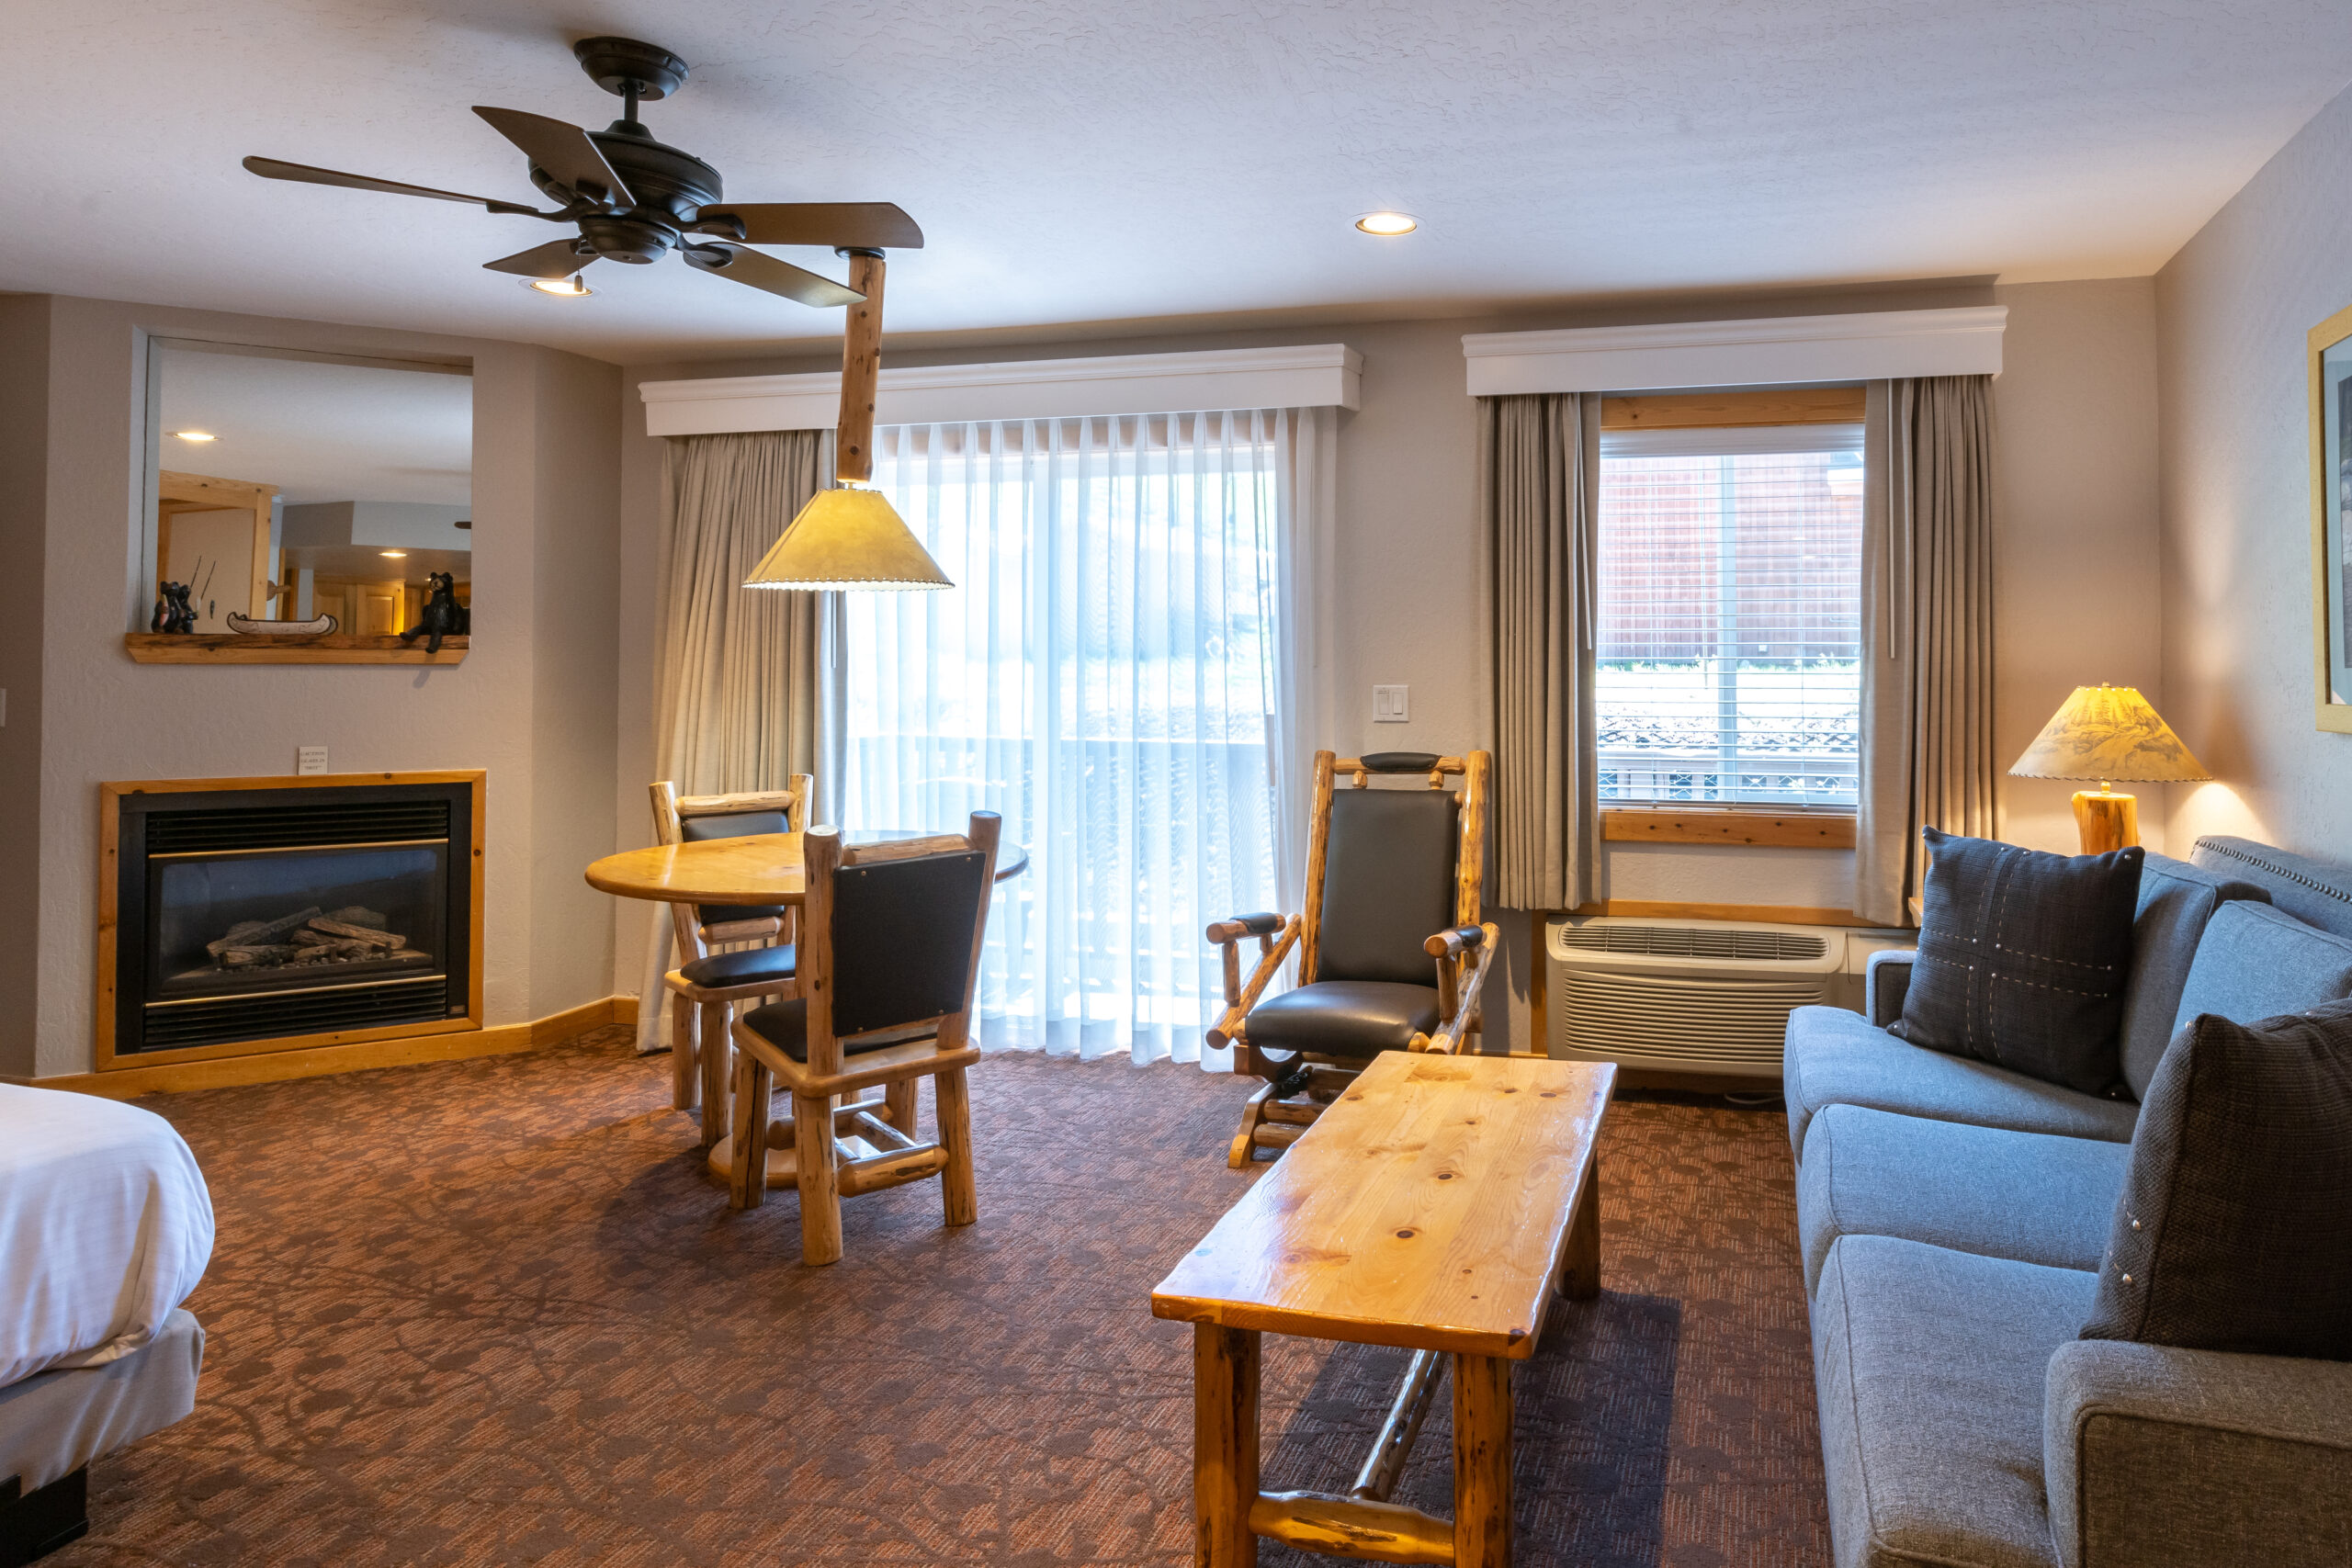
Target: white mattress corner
column 106, row 1227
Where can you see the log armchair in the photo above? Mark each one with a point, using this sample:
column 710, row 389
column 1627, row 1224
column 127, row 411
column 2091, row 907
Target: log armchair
column 1392, row 951
column 890, row 939
column 727, row 953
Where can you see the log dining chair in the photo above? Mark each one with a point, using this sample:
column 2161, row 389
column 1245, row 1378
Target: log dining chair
column 1393, row 882
column 727, row 953
column 890, row 940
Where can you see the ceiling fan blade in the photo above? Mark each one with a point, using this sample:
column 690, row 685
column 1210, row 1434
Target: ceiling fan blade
column 557, row 259
column 746, row 266
column 561, row 150
column 278, row 169
column 855, row 225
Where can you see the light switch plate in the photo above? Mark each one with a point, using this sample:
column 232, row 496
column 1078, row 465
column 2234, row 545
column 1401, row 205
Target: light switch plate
column 1389, row 704
column 310, row 758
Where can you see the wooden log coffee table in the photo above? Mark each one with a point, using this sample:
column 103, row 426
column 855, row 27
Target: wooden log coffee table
column 1437, row 1206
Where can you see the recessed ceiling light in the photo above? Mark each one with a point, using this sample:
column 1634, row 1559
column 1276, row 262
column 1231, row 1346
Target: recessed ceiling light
column 568, row 287
column 196, row 435
column 1388, row 223
column 393, row 555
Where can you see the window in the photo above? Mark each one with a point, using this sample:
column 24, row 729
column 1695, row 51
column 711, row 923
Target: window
column 1729, row 629
column 1105, row 679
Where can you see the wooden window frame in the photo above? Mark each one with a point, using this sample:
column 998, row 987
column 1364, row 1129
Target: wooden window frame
column 1650, row 822
column 1737, row 409
column 1662, row 823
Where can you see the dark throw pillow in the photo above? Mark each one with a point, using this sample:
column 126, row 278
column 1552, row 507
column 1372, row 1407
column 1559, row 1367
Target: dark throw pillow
column 2022, row 959
column 2233, row 1231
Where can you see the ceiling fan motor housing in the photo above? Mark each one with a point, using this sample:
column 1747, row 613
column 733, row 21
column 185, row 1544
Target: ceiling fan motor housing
column 658, row 176
column 670, row 187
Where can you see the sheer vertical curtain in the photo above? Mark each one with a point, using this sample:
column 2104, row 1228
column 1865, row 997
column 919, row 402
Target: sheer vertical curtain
column 737, row 693
column 1108, row 674
column 1926, row 754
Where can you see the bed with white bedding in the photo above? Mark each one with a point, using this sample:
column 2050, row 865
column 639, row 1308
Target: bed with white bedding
column 105, row 1228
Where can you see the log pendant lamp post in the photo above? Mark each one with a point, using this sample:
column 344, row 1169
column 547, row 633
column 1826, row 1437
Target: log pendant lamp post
column 861, row 371
column 849, row 536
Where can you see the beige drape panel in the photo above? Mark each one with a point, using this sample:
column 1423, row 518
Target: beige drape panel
column 741, row 673
column 1539, row 478
column 737, row 697
column 1926, row 743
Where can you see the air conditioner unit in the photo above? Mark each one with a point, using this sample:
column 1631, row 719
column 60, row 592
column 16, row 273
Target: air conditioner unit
column 1698, row 998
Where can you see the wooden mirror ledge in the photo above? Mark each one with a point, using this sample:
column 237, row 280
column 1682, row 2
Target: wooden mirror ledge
column 331, row 648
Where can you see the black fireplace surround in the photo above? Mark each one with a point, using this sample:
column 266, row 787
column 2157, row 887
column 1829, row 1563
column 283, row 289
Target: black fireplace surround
column 267, row 914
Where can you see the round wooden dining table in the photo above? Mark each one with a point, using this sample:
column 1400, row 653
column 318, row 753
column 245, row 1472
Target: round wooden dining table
column 755, row 869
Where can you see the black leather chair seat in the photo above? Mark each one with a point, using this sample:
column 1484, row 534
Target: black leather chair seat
column 752, row 966
column 1345, row 1017
column 785, row 1025
column 728, row 914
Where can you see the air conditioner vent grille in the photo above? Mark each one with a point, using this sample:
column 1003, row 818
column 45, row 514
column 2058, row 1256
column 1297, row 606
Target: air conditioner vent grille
column 1720, row 1024
column 1694, row 941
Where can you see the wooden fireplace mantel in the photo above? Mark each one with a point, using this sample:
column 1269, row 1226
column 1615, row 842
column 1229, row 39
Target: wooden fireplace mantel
column 110, row 797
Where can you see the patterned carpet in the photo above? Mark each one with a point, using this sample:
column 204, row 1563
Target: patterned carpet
column 491, row 1312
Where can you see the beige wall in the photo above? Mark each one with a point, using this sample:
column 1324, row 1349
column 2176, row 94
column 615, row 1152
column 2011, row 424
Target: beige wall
column 2232, row 311
column 532, row 704
column 2076, row 432
column 2076, row 569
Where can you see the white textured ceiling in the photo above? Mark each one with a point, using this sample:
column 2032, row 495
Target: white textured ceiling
column 1074, row 163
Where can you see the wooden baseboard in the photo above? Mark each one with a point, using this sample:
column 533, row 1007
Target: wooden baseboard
column 223, row 1072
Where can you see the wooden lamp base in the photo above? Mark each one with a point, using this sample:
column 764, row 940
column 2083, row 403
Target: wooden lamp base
column 2106, row 820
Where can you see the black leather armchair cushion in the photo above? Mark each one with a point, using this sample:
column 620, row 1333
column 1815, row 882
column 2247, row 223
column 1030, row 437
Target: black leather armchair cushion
column 733, row 825
column 752, row 966
column 785, row 1025
column 1345, row 1018
column 1387, row 884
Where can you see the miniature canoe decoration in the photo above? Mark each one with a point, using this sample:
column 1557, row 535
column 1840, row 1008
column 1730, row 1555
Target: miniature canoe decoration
column 316, row 626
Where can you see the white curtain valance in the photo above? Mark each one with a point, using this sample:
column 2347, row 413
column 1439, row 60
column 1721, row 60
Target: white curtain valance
column 1313, row 375
column 1773, row 351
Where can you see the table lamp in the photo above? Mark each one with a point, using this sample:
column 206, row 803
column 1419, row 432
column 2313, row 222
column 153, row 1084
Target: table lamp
column 2108, row 733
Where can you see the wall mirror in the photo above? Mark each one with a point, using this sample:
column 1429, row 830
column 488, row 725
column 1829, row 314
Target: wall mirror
column 287, row 486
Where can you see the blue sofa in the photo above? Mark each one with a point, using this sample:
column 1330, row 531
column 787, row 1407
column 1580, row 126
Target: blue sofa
column 1953, row 1215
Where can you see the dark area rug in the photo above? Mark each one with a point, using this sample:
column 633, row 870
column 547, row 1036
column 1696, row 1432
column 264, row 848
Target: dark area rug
column 492, row 1312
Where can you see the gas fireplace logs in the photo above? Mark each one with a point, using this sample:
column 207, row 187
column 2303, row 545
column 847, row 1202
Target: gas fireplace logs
column 309, row 938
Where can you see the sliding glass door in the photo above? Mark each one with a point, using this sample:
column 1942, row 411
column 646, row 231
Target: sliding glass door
column 1104, row 675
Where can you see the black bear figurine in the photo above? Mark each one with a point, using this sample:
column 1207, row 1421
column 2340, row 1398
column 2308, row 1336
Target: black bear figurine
column 173, row 612
column 442, row 615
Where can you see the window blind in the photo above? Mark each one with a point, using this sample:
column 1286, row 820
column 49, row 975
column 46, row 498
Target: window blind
column 1729, row 628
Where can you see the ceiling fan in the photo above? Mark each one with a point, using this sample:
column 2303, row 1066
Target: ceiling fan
column 634, row 199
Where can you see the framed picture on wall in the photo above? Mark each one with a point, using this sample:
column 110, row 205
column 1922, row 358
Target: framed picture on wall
column 2331, row 382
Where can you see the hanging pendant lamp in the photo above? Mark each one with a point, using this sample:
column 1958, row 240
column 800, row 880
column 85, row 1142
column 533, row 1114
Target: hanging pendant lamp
column 851, row 536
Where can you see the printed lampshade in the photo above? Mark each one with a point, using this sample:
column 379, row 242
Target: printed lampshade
column 2109, row 733
column 847, row 537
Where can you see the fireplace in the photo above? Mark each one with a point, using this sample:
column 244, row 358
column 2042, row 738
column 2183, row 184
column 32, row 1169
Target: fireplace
column 252, row 915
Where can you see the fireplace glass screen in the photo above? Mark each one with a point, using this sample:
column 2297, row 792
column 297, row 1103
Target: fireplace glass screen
column 268, row 919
